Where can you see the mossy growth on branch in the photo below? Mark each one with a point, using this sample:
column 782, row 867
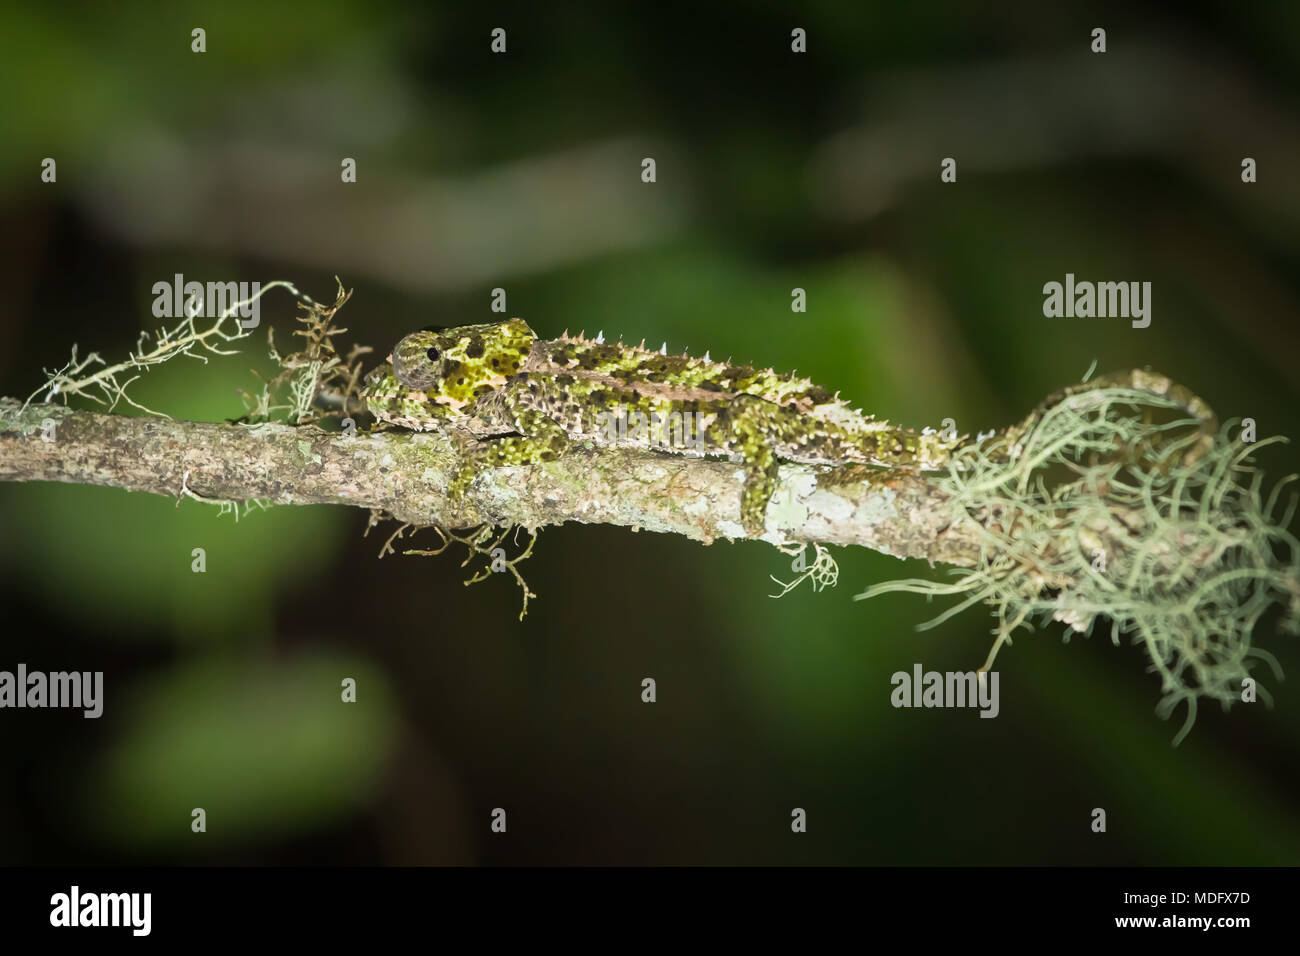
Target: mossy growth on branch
column 1099, row 518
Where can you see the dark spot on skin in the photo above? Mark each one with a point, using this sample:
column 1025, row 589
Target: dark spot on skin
column 482, row 389
column 474, row 349
column 496, row 362
column 460, row 381
column 564, row 379
column 710, row 386
column 548, row 456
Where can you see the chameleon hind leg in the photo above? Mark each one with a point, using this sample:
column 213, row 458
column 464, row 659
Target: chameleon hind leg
column 756, row 426
column 761, row 474
column 764, row 433
column 542, row 439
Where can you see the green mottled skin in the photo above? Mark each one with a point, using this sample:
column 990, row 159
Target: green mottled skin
column 534, row 398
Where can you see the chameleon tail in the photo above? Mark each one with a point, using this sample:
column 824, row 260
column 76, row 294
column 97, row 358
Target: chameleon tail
column 1136, row 380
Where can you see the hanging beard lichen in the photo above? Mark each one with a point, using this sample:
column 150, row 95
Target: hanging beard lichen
column 1099, row 516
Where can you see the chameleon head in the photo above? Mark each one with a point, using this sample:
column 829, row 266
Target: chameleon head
column 457, row 366
column 434, row 378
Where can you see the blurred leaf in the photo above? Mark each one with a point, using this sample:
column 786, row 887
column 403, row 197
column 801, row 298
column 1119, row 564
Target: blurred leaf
column 264, row 750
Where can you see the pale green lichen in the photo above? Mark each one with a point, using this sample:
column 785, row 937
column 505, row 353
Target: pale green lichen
column 823, row 572
column 879, row 507
column 787, row 508
column 1097, row 518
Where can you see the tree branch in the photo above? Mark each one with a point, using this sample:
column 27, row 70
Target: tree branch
column 404, row 474
column 1183, row 553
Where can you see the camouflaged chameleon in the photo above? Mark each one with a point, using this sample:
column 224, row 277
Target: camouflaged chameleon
column 534, row 398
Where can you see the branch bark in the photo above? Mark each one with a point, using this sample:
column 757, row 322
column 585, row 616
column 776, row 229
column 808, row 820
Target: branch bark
column 405, row 473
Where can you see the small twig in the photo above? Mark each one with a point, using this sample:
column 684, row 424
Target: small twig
column 182, row 339
column 474, row 543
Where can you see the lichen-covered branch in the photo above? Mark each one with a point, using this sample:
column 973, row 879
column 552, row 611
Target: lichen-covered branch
column 1104, row 516
column 1100, row 515
column 1091, row 509
column 405, row 475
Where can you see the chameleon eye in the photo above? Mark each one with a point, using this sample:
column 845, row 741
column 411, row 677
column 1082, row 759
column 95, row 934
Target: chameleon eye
column 416, row 363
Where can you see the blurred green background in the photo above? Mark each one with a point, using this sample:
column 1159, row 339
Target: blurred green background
column 522, row 171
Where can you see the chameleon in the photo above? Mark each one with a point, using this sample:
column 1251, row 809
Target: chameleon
column 526, row 400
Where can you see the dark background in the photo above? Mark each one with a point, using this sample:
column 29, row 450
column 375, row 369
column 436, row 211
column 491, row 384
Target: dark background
column 522, row 170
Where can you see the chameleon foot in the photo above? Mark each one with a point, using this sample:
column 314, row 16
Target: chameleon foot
column 544, row 441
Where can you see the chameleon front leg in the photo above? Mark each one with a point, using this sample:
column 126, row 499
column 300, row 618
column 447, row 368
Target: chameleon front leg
column 541, row 439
